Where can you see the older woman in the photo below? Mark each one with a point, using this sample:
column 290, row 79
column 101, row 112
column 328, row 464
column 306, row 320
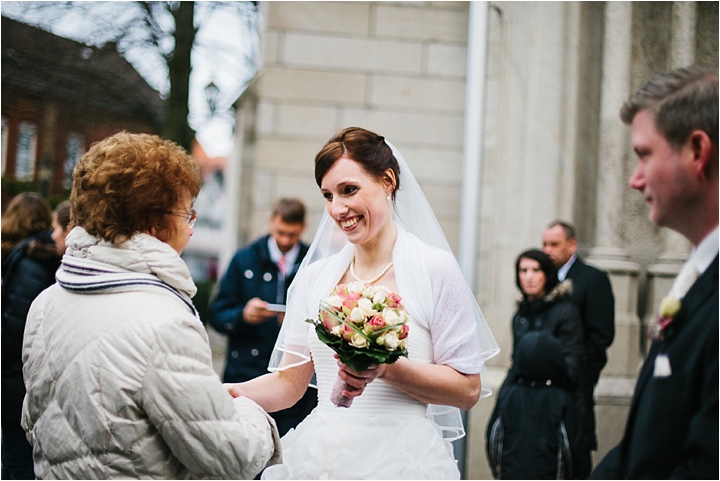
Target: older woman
column 533, row 430
column 116, row 361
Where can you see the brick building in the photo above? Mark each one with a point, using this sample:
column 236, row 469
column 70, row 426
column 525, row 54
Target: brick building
column 58, row 97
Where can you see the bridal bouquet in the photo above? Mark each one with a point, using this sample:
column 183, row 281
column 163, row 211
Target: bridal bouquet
column 364, row 325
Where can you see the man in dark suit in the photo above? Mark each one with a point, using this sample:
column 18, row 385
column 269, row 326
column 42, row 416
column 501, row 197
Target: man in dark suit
column 593, row 296
column 672, row 427
column 247, row 306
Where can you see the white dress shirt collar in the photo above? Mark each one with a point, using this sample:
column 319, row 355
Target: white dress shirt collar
column 563, row 271
column 706, row 251
column 276, row 254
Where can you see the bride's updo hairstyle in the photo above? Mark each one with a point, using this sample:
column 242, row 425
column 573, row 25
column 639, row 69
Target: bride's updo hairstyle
column 364, row 147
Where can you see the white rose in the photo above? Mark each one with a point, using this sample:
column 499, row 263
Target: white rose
column 335, row 301
column 357, row 314
column 366, row 306
column 391, row 317
column 391, row 340
column 379, row 297
column 358, row 341
column 337, row 330
column 356, row 287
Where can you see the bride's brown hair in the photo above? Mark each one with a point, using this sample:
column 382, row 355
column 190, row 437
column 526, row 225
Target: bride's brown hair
column 364, row 147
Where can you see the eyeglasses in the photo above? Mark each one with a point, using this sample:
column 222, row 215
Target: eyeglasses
column 191, row 216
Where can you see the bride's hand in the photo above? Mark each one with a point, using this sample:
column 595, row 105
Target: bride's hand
column 358, row 381
column 234, row 389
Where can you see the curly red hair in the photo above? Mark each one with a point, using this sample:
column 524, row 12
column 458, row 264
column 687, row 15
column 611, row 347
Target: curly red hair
column 131, row 183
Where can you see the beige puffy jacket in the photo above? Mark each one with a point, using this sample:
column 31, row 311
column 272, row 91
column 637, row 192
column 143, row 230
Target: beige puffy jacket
column 119, row 375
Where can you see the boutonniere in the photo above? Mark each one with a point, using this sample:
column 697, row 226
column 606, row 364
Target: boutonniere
column 669, row 307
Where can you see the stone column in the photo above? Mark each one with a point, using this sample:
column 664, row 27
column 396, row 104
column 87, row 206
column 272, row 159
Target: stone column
column 662, row 272
column 609, row 255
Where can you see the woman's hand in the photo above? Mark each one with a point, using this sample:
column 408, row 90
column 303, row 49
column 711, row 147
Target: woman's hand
column 358, row 381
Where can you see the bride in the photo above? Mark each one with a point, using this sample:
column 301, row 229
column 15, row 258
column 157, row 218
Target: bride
column 378, row 229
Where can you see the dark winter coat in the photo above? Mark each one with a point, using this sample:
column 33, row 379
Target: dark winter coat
column 252, row 273
column 534, row 428
column 28, row 269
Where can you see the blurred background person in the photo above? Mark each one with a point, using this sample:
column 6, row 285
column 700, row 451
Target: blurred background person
column 593, row 296
column 116, row 361
column 535, row 429
column 259, row 276
column 61, row 226
column 29, row 262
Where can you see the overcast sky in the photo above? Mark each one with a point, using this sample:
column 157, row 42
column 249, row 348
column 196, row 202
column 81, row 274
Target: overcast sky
column 223, row 46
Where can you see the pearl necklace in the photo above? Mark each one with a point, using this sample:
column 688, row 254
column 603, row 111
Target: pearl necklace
column 374, row 279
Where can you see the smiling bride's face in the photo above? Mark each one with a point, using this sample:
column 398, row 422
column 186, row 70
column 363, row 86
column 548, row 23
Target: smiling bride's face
column 356, row 201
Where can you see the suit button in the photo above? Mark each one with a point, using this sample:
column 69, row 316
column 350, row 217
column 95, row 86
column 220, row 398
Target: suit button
column 248, row 274
column 235, row 354
column 254, row 352
column 267, row 277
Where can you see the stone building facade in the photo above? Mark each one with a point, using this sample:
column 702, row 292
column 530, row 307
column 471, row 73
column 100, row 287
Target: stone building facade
column 553, row 145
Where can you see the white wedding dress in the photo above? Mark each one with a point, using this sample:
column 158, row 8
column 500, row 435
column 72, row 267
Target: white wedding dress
column 385, row 434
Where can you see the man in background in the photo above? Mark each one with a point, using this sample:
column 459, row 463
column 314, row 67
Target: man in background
column 672, row 427
column 249, row 306
column 593, row 296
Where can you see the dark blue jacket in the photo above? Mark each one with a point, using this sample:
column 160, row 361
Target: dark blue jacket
column 251, row 273
column 27, row 270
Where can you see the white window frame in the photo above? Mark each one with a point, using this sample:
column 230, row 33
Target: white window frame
column 26, row 154
column 74, row 149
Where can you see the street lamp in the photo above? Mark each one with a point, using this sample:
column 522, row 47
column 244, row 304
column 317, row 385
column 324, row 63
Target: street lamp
column 212, row 93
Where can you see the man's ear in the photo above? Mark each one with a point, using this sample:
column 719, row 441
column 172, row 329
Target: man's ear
column 701, row 147
column 573, row 244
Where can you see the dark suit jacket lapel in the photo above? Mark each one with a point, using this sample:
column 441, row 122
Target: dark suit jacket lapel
column 693, row 300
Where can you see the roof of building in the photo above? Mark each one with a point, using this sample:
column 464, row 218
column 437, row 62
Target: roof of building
column 42, row 64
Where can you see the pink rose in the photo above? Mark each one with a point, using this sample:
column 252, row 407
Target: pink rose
column 347, row 332
column 376, row 322
column 328, row 320
column 393, row 300
column 350, row 304
column 404, row 330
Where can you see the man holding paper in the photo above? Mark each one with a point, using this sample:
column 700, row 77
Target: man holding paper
column 250, row 302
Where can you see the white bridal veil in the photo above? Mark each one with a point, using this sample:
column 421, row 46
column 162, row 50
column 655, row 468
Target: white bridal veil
column 412, row 213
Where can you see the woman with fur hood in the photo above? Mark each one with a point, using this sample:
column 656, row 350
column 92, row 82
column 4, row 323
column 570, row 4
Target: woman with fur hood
column 534, row 427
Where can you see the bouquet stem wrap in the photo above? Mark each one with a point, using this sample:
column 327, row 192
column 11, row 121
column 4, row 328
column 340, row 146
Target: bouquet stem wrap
column 337, row 396
column 364, row 325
